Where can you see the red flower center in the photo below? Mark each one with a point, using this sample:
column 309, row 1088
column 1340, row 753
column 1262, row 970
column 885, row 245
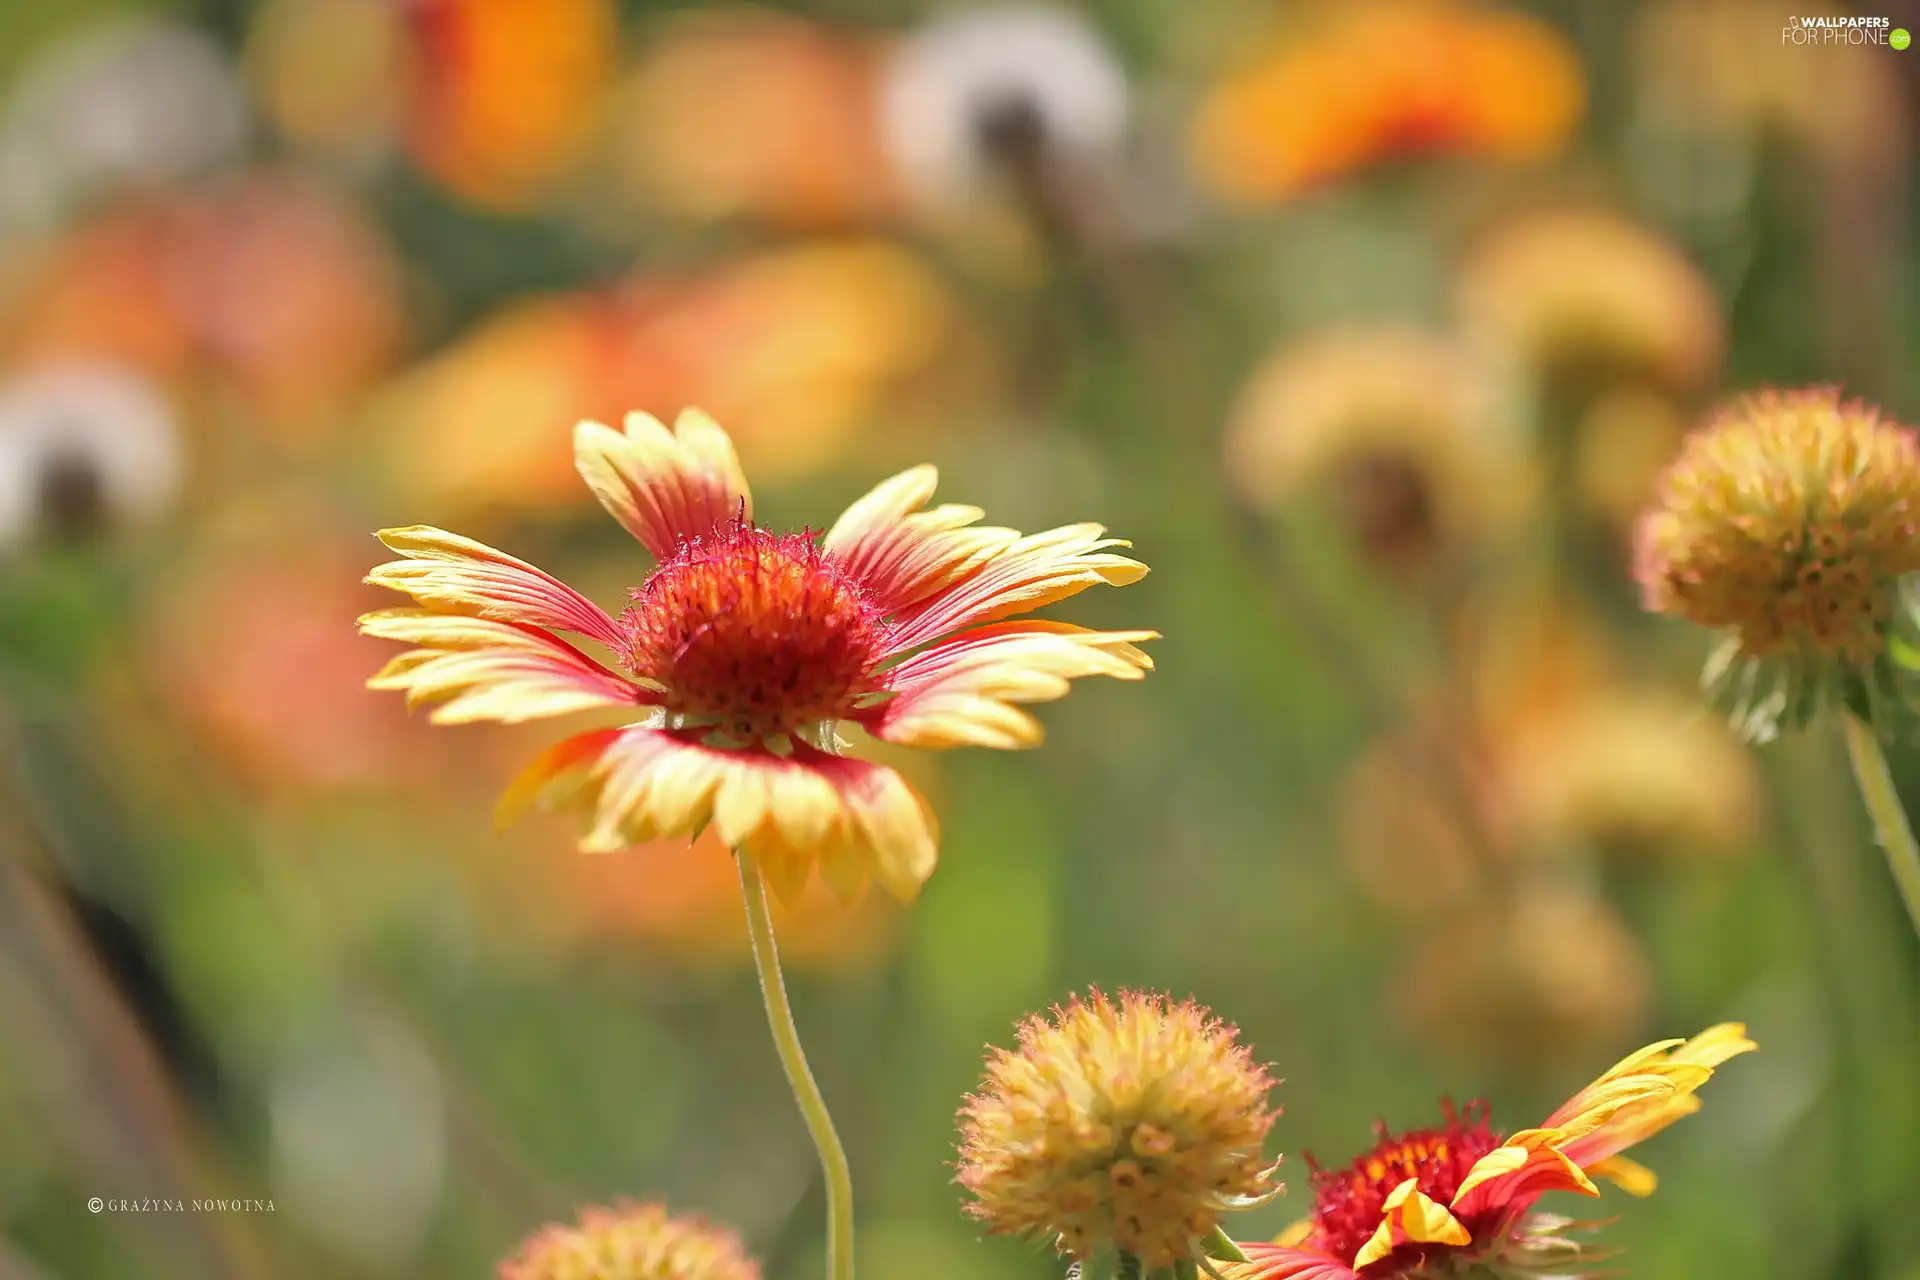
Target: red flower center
column 755, row 633
column 1347, row 1203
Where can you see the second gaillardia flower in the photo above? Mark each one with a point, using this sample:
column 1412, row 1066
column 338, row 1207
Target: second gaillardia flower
column 1120, row 1133
column 1457, row 1202
column 1790, row 522
column 745, row 646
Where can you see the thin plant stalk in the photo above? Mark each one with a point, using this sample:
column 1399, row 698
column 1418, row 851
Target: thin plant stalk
column 786, row 1042
column 1890, row 823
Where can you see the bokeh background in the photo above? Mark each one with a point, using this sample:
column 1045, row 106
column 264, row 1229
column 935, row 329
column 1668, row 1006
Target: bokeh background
column 1369, row 323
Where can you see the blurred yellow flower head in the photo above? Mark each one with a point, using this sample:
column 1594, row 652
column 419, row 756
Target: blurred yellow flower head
column 1790, row 521
column 1371, row 81
column 1721, row 64
column 1398, row 423
column 786, row 128
column 1587, row 296
column 632, row 1242
column 331, row 75
column 1131, row 1126
column 1524, row 980
column 1631, row 771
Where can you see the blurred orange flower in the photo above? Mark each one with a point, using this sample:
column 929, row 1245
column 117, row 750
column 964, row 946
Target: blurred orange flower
column 798, row 346
column 293, row 294
column 505, row 94
column 101, row 291
column 1367, row 82
column 791, row 137
column 286, row 711
column 1592, row 297
column 269, row 285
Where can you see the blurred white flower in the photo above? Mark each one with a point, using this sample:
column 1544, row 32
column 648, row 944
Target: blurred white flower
column 83, row 446
column 981, row 92
column 124, row 104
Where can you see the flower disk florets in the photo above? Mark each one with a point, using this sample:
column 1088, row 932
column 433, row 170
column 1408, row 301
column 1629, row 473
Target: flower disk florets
column 754, row 633
column 632, row 1242
column 1790, row 520
column 1348, row 1202
column 1129, row 1127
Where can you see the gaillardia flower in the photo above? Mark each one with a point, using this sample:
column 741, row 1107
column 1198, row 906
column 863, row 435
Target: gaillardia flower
column 632, row 1242
column 1118, row 1130
column 745, row 647
column 1790, row 521
column 1457, row 1199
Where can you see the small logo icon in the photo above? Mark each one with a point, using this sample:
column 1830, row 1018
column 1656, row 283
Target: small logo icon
column 96, row 1204
column 1899, row 38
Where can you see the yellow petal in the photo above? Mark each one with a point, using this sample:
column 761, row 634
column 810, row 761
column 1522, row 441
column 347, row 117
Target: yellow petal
column 1411, row 1217
column 1633, row 1178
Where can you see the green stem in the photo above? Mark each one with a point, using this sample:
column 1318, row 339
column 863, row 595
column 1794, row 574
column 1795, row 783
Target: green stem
column 786, row 1042
column 1222, row 1245
column 1883, row 806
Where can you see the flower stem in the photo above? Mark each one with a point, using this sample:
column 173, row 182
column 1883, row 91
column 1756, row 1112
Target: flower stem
column 1883, row 806
column 786, row 1042
column 1222, row 1245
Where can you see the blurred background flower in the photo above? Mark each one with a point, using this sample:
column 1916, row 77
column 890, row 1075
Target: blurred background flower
column 1346, row 86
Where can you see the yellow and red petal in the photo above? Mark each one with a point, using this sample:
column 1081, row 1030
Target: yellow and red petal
column 1631, row 1177
column 557, row 777
column 1411, row 1217
column 1284, row 1262
column 456, row 575
column 480, row 669
column 791, row 812
column 1524, row 1168
column 963, row 691
column 901, row 553
column 1644, row 1093
column 890, row 820
column 665, row 487
column 1026, row 574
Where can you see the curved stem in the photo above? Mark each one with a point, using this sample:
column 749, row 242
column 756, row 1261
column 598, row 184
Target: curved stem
column 786, row 1041
column 1883, row 805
